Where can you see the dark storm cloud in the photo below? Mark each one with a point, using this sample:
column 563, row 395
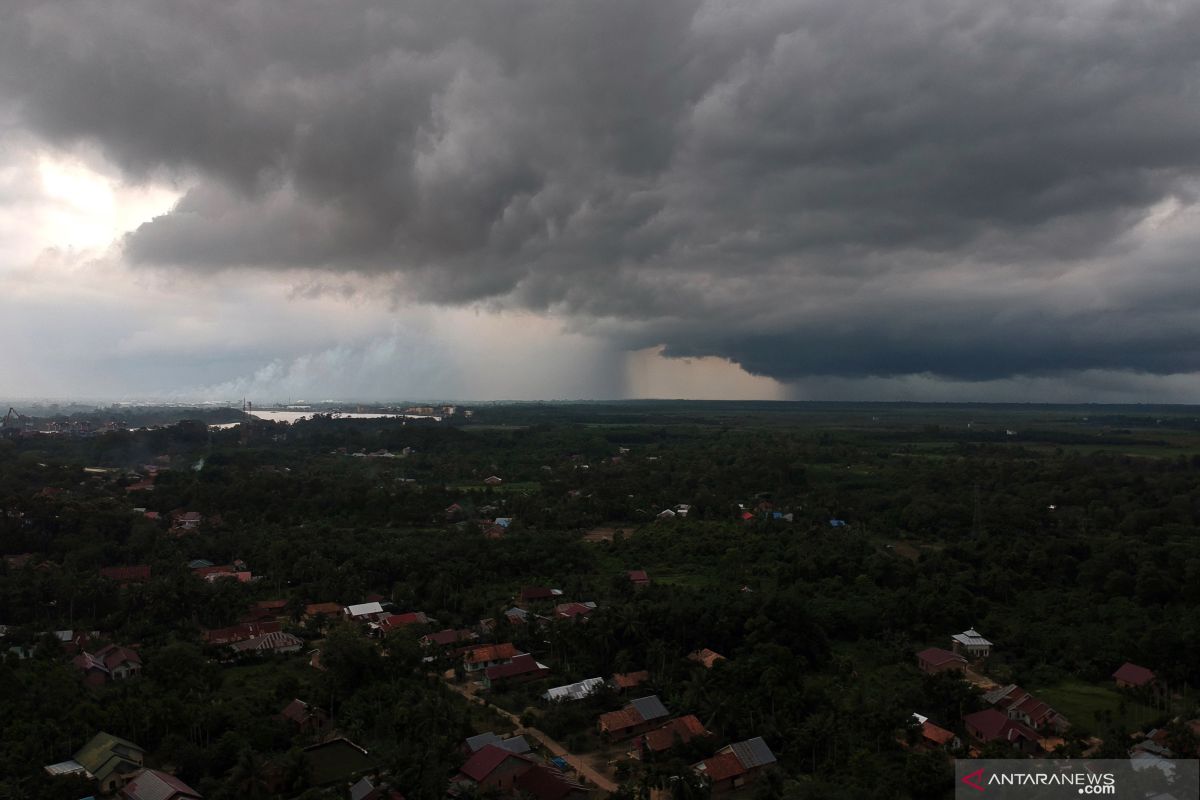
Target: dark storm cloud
column 829, row 187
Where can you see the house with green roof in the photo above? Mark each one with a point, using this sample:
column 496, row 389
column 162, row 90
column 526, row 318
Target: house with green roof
column 111, row 760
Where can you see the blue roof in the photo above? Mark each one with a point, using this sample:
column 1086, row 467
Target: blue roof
column 837, row 523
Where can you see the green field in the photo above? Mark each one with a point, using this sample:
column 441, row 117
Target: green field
column 1085, row 703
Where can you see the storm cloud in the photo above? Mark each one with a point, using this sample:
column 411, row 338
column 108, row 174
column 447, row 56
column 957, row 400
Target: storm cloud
column 973, row 190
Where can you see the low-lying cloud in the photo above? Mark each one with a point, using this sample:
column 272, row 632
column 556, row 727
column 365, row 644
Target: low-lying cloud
column 965, row 190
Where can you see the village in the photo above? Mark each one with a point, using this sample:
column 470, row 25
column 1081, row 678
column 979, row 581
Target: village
column 510, row 650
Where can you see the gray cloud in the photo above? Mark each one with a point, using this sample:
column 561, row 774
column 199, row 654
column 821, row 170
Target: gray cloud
column 833, row 187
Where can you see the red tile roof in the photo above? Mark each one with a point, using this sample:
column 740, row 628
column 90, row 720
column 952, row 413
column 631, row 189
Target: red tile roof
column 492, row 652
column 683, row 729
column 1133, row 674
column 621, row 719
column 328, row 609
column 936, row 656
column 936, row 734
column 993, row 725
column 544, row 783
column 138, row 572
column 487, row 760
column 706, row 657
column 114, row 655
column 639, row 576
column 523, row 664
column 537, row 593
column 723, row 766
column 630, row 680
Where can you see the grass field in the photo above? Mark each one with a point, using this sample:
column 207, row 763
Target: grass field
column 1083, row 703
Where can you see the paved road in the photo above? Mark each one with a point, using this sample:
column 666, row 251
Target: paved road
column 577, row 763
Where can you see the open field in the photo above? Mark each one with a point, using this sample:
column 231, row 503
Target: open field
column 1086, row 705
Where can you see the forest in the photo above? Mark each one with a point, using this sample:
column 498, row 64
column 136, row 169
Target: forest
column 816, row 547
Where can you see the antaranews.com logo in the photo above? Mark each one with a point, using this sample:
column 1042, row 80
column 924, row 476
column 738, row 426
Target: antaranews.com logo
column 1028, row 779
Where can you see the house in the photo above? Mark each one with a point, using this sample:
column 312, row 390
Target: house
column 110, row 663
column 837, row 523
column 934, row 660
column 639, row 578
column 533, row 594
column 241, row 632
column 515, row 744
column 936, row 737
column 138, row 573
column 110, row 760
column 629, row 680
column 395, row 622
column 277, row 642
column 338, row 761
column 314, row 610
column 971, row 644
column 503, row 522
column 666, row 515
column 736, row 765
column 517, row 616
column 574, row 691
column 522, row 669
column 676, row 731
column 574, row 611
column 150, row 784
column 186, row 520
column 1022, row 706
column 491, row 655
column 1131, row 676
column 306, row 718
column 448, row 637
column 364, row 612
column 493, row 768
column 991, row 725
column 543, row 782
column 638, row 717
column 705, row 657
column 455, row 512
column 493, row 480
column 366, row 789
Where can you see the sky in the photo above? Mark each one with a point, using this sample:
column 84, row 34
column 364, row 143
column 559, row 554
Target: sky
column 555, row 199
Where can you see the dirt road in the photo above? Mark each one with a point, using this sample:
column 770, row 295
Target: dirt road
column 577, row 762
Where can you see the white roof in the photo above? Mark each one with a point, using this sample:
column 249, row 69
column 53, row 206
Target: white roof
column 67, row 768
column 363, row 609
column 971, row 638
column 921, row 720
column 574, row 691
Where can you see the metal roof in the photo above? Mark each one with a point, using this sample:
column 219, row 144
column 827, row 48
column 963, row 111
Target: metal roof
column 753, row 753
column 71, row 767
column 574, row 691
column 649, row 707
column 971, row 638
column 478, row 741
column 364, row 608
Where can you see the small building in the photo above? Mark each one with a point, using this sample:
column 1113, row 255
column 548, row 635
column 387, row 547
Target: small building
column 639, row 578
column 1022, row 706
column 639, row 716
column 493, row 480
column 306, row 718
column 676, row 731
column 542, row 782
column 574, row 611
column 705, row 657
column 241, row 632
column 1131, row 676
column 447, row 637
column 623, row 681
column 737, row 765
column 110, row 663
column 493, row 768
column 364, row 612
column 971, row 644
column 934, row 660
column 278, row 642
column 522, row 669
column 315, row 610
column 151, row 784
column 490, row 655
column 574, row 691
column 936, row 737
column 109, row 760
column 534, row 594
column 990, row 725
column 514, row 744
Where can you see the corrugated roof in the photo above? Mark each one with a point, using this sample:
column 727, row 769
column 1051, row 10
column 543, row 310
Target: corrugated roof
column 478, row 741
column 574, row 691
column 150, row 784
column 362, row 609
column 650, row 707
column 753, row 753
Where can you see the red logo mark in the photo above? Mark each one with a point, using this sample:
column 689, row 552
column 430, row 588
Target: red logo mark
column 974, row 780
